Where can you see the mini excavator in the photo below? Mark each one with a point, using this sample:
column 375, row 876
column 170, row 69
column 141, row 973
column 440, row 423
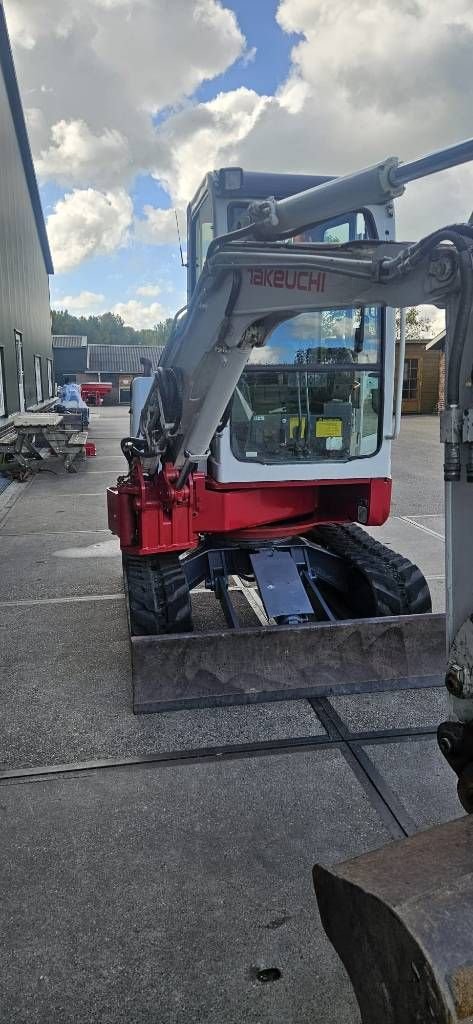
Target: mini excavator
column 261, row 449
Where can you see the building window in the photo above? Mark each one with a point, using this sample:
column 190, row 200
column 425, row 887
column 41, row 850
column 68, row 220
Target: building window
column 3, row 403
column 410, row 378
column 38, row 379
column 49, row 364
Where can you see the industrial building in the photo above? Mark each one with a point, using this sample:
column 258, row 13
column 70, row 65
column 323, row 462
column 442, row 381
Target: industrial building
column 76, row 360
column 26, row 367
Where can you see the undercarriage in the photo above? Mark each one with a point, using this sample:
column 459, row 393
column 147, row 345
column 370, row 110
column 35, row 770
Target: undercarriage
column 332, row 574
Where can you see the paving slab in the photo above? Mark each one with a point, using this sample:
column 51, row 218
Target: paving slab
column 56, row 513
column 59, row 566
column 66, row 694
column 365, row 712
column 157, row 894
column 417, row 467
column 420, row 778
column 84, row 482
column 429, row 522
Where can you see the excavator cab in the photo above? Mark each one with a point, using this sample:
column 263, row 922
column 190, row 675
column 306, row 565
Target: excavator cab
column 318, row 394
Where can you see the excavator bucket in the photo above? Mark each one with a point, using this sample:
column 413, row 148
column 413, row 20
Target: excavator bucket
column 401, row 920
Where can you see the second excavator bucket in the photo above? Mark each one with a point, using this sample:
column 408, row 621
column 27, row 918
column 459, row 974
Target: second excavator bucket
column 401, row 920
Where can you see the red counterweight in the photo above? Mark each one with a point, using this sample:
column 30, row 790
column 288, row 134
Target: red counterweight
column 150, row 516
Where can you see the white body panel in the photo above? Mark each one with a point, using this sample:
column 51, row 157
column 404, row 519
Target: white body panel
column 140, row 388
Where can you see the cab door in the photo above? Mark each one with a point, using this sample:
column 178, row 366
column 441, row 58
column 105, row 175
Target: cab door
column 201, row 235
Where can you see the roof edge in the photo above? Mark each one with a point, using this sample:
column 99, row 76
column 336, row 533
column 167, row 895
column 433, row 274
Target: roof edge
column 437, row 341
column 16, row 107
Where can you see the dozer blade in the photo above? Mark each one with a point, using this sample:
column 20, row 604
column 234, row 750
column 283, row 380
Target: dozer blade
column 401, row 919
column 182, row 670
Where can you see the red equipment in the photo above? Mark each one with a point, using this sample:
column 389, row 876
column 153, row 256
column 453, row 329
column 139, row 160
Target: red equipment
column 151, row 516
column 93, row 392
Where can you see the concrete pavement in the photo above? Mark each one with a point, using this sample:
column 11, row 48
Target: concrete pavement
column 157, row 891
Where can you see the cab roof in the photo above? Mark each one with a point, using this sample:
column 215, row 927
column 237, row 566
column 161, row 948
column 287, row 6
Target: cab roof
column 255, row 184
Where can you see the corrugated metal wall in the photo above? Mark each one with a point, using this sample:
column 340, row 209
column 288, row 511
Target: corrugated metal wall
column 24, row 285
column 70, row 361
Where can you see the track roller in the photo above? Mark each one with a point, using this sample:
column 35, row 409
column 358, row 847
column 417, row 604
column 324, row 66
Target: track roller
column 158, row 595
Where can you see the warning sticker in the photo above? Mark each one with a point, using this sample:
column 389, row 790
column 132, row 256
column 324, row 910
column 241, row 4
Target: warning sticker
column 328, row 428
column 297, row 424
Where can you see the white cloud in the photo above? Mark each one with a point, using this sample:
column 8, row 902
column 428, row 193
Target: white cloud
column 98, row 70
column 201, row 137
column 85, row 302
column 158, row 226
column 87, row 222
column 367, row 78
column 249, row 56
column 346, row 103
column 149, row 290
column 139, row 315
column 436, row 318
column 77, row 154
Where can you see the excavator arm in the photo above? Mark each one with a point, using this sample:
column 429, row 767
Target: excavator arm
column 245, row 290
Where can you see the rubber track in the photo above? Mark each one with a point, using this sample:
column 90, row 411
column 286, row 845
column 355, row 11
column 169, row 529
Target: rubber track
column 398, row 586
column 158, row 595
column 416, row 593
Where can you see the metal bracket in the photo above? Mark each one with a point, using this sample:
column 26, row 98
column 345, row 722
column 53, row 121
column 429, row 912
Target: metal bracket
column 281, row 588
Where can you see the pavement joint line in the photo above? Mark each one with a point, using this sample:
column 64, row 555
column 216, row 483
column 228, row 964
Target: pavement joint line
column 253, row 599
column 72, row 494
column 419, row 526
column 425, row 515
column 379, row 792
column 71, row 599
column 50, row 533
column 258, row 748
column 285, row 745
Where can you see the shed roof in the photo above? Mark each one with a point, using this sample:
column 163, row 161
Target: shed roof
column 69, row 340
column 11, row 85
column 438, row 342
column 122, row 358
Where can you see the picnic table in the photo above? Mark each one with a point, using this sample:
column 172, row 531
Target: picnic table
column 29, row 440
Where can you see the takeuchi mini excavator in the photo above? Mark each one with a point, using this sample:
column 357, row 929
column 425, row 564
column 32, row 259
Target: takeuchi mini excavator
column 265, row 434
column 261, row 448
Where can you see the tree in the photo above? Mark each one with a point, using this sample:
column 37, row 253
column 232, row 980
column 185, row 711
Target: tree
column 417, row 324
column 163, row 330
column 109, row 329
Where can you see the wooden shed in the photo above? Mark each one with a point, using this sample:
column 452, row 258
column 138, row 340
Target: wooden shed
column 420, row 392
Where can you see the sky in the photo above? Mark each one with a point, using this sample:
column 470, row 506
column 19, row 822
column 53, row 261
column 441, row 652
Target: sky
column 130, row 102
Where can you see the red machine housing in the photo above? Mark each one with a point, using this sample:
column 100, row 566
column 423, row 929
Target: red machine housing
column 150, row 516
column 94, row 391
